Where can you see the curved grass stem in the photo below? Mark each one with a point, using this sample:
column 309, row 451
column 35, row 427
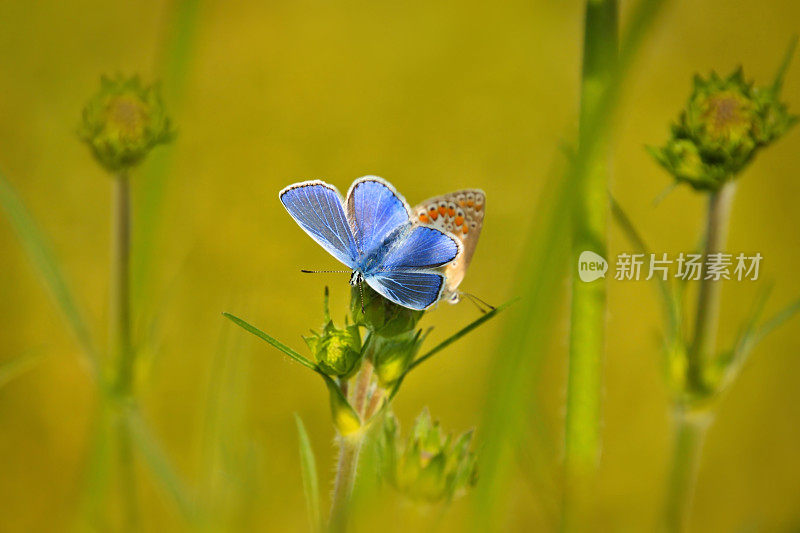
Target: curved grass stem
column 588, row 311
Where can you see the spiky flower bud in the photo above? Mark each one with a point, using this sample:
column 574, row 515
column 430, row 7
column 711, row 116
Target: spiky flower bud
column 336, row 351
column 380, row 315
column 123, row 121
column 725, row 123
column 430, row 467
column 392, row 356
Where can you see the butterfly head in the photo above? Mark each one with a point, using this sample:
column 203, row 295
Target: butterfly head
column 356, row 278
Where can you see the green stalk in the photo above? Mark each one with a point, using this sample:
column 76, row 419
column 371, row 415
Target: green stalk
column 349, row 451
column 691, row 425
column 587, row 332
column 703, row 346
column 120, row 336
column 690, row 431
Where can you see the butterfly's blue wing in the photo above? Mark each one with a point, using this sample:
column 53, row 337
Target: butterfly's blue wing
column 421, row 247
column 413, row 289
column 317, row 207
column 402, row 276
column 375, row 211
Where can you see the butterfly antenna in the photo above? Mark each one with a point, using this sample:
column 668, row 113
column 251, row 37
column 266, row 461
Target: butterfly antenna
column 480, row 304
column 304, row 271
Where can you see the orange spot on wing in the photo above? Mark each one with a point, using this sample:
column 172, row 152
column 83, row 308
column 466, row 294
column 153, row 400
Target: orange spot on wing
column 470, row 203
column 462, row 203
column 423, row 218
column 464, row 229
column 459, row 221
column 478, row 207
column 451, row 212
column 442, row 210
column 434, row 214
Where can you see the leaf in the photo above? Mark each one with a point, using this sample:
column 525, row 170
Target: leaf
column 671, row 300
column 777, row 84
column 274, row 342
column 755, row 335
column 159, row 464
column 308, row 466
column 444, row 344
column 17, row 365
column 177, row 52
column 38, row 250
column 460, row 333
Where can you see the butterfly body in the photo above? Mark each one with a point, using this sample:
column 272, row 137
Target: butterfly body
column 372, row 233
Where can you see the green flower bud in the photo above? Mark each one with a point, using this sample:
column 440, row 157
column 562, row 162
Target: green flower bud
column 392, row 356
column 725, row 122
column 336, row 351
column 123, row 122
column 429, row 468
column 380, row 315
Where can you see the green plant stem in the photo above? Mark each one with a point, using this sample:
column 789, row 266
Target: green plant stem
column 690, row 431
column 588, row 312
column 346, row 467
column 702, row 350
column 691, row 425
column 349, row 451
column 120, row 336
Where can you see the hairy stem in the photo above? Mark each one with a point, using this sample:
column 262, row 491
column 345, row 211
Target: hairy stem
column 349, row 450
column 120, row 336
column 588, row 312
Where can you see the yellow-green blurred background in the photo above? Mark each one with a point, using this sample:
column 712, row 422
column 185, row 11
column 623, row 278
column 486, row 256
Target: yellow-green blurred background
column 433, row 96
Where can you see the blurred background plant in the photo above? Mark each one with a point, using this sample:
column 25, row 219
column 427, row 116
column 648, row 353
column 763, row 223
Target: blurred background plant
column 443, row 96
column 725, row 123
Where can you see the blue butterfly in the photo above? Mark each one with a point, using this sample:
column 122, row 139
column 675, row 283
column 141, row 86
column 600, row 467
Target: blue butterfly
column 373, row 234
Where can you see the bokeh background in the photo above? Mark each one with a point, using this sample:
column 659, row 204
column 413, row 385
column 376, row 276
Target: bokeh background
column 433, row 96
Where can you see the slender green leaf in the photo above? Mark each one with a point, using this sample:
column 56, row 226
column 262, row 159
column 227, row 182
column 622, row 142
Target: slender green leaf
column 17, row 365
column 444, row 344
column 756, row 335
column 174, row 66
column 671, row 300
column 271, row 340
column 159, row 464
column 780, row 75
column 460, row 333
column 177, row 52
column 308, row 466
column 43, row 259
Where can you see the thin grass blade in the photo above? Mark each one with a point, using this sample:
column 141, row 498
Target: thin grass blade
column 160, row 465
column 17, row 366
column 460, row 333
column 271, row 340
column 45, row 262
column 308, row 466
column 177, row 52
